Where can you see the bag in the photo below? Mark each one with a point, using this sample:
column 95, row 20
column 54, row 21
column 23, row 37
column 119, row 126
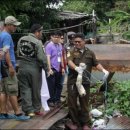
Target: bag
column 4, row 70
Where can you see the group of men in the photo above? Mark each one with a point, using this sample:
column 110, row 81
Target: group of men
column 54, row 59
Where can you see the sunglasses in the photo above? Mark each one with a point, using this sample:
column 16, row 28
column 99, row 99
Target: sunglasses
column 56, row 37
column 77, row 41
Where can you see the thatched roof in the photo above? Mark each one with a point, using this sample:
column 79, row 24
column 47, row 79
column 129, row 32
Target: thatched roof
column 72, row 15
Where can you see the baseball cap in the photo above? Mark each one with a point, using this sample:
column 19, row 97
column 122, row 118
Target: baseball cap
column 36, row 27
column 71, row 35
column 12, row 20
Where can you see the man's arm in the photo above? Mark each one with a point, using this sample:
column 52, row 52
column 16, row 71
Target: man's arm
column 71, row 64
column 98, row 65
column 49, row 65
column 101, row 68
column 9, row 63
column 62, row 65
column 41, row 56
column 40, row 53
column 70, row 60
column 3, row 51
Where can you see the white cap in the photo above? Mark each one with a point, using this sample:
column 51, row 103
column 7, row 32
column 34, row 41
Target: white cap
column 12, row 20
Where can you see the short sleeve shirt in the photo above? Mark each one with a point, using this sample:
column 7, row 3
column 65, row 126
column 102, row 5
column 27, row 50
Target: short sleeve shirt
column 87, row 57
column 6, row 40
column 54, row 50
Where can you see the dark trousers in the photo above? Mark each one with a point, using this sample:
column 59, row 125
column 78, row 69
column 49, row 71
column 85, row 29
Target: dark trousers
column 79, row 113
column 30, row 87
column 55, row 87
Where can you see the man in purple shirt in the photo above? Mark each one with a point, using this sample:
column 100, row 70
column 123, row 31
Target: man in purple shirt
column 56, row 69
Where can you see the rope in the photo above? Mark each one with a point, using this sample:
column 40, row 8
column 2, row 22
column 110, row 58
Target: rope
column 63, row 28
column 105, row 93
column 105, row 83
column 92, row 76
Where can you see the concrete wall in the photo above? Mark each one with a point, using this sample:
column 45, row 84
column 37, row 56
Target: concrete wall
column 120, row 76
column 106, row 38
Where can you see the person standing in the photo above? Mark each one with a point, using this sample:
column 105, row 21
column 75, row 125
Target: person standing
column 70, row 38
column 31, row 61
column 80, row 54
column 64, row 55
column 9, row 88
column 55, row 64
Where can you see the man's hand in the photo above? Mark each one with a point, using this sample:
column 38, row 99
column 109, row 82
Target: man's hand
column 63, row 71
column 81, row 68
column 11, row 71
column 78, row 69
column 50, row 72
column 106, row 73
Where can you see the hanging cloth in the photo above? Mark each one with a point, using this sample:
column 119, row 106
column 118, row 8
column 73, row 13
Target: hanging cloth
column 44, row 92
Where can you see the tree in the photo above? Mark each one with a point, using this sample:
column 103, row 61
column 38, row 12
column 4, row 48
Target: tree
column 30, row 11
column 100, row 6
column 78, row 6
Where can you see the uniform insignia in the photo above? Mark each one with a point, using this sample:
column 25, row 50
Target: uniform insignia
column 76, row 53
column 27, row 49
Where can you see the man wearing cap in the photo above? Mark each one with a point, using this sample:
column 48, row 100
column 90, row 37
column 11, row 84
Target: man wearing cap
column 31, row 61
column 70, row 43
column 9, row 89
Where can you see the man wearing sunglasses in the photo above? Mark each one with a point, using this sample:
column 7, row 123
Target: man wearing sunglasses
column 80, row 54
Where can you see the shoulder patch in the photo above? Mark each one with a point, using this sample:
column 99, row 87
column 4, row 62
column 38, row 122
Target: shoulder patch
column 76, row 53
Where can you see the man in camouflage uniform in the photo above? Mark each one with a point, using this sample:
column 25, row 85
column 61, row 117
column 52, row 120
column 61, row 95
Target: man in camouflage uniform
column 80, row 54
column 31, row 61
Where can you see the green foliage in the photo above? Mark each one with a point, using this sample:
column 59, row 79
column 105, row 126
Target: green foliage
column 126, row 35
column 120, row 21
column 78, row 6
column 119, row 17
column 36, row 11
column 29, row 11
column 96, row 87
column 117, row 10
column 119, row 98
